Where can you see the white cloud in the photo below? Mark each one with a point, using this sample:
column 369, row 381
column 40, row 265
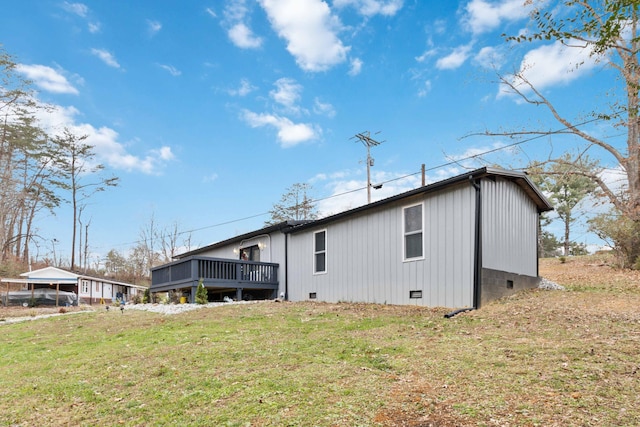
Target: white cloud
column 238, row 29
column 47, row 78
column 106, row 57
column 153, row 27
column 109, row 150
column 287, row 93
column 165, row 153
column 82, row 10
column 211, row 12
column 472, row 153
column 427, row 54
column 245, row 88
column 79, row 9
column 455, row 59
column 243, row 37
column 107, row 147
column 425, row 89
column 310, row 32
column 210, row 178
column 324, row 109
column 94, row 27
column 616, row 179
column 289, row 133
column 235, row 10
column 356, row 67
column 171, row 69
column 482, row 16
column 489, row 57
column 553, row 64
column 348, row 188
column 372, row 7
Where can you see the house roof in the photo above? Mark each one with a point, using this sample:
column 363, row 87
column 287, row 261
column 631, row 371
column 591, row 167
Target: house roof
column 282, row 227
column 59, row 275
column 519, row 178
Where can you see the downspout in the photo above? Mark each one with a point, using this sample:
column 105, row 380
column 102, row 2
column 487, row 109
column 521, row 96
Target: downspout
column 477, row 256
column 477, row 252
column 286, row 267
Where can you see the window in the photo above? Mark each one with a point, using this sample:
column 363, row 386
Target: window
column 85, row 287
column 250, row 253
column 412, row 230
column 320, row 252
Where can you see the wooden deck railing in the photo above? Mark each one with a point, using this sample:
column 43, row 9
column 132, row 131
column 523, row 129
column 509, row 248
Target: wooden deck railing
column 215, row 273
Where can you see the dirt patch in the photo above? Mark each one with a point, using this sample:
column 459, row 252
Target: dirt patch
column 569, row 345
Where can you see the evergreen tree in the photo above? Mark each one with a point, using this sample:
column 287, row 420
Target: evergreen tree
column 202, row 296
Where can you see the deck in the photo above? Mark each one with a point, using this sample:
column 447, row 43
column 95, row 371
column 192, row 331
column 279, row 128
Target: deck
column 220, row 276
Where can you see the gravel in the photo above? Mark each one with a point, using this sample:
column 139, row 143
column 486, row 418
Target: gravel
column 548, row 285
column 169, row 309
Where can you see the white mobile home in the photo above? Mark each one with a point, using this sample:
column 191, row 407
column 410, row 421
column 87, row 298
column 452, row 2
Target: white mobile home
column 88, row 290
column 456, row 243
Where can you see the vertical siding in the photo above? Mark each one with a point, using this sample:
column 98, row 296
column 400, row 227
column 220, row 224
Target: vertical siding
column 364, row 255
column 510, row 228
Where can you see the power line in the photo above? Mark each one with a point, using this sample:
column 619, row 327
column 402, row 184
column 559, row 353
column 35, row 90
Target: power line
column 365, row 138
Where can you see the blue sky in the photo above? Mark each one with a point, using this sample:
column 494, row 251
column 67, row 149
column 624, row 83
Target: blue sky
column 208, row 111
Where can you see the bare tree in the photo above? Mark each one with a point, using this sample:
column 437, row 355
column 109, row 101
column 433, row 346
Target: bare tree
column 171, row 241
column 79, row 175
column 609, row 31
column 149, row 236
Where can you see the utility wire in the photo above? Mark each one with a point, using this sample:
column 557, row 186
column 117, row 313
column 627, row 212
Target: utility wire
column 452, row 162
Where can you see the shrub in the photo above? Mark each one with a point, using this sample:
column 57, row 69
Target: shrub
column 622, row 234
column 202, row 296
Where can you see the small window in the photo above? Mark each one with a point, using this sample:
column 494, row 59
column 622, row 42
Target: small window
column 415, row 294
column 312, row 295
column 412, row 231
column 320, row 252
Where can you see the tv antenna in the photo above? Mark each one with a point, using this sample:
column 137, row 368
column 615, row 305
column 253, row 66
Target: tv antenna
column 365, row 138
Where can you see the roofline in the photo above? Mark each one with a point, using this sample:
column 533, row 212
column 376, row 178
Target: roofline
column 68, row 280
column 281, row 226
column 520, row 178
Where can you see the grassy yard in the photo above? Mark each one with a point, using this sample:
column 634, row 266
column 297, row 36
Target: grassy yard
column 541, row 358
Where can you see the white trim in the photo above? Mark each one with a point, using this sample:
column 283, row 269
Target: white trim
column 41, row 281
column 315, row 272
column 404, row 234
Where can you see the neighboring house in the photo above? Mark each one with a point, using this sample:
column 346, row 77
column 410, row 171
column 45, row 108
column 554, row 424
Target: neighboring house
column 455, row 243
column 87, row 289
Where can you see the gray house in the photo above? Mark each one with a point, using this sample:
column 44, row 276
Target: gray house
column 456, row 243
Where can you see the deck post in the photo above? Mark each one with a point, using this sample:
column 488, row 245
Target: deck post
column 194, row 269
column 194, row 289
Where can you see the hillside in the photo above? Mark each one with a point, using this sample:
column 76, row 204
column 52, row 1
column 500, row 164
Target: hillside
column 539, row 358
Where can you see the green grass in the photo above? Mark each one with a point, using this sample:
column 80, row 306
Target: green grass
column 540, row 358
